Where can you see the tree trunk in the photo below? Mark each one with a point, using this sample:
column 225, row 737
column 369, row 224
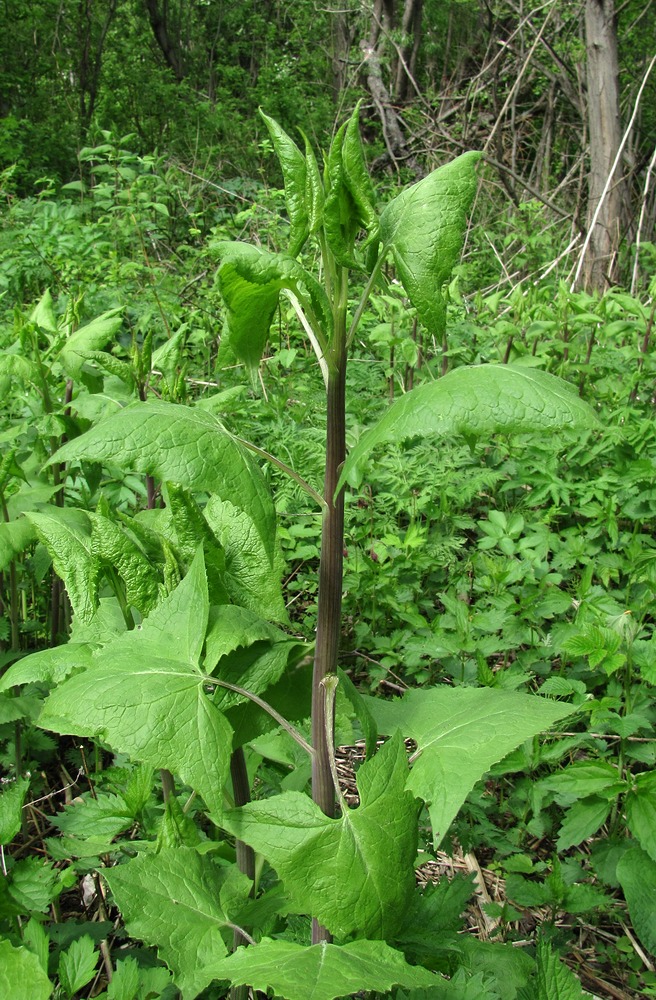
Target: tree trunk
column 159, row 22
column 372, row 49
column 408, row 49
column 605, row 136
column 90, row 57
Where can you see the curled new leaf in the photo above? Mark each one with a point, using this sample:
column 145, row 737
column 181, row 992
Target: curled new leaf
column 350, row 203
column 294, row 172
column 250, row 281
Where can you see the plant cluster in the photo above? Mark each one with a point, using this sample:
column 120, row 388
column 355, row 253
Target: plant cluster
column 482, row 548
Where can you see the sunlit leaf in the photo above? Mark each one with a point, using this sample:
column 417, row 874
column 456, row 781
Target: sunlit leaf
column 476, row 401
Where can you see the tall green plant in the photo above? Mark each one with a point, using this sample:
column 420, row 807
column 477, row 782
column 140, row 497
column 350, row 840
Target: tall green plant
column 206, row 673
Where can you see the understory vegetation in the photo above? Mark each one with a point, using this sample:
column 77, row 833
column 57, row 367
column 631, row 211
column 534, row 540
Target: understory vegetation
column 162, row 497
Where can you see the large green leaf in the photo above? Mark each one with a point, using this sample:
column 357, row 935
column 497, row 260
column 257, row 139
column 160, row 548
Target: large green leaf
column 355, row 874
column 183, row 445
column 177, row 900
column 322, row 971
column 294, row 172
column 21, row 975
column 477, row 401
column 460, row 733
column 66, row 533
column 92, row 337
column 636, row 872
column 251, row 578
column 144, row 695
column 424, row 227
column 250, row 280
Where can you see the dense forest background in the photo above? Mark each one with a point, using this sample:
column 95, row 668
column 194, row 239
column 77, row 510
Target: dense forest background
column 559, row 96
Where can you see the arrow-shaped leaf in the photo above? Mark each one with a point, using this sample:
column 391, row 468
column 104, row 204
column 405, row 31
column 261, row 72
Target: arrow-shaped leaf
column 355, row 874
column 177, row 899
column 145, row 696
column 424, row 228
column 477, row 401
column 460, row 733
column 322, row 971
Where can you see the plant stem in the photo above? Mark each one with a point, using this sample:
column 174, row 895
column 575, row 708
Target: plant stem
column 330, row 568
column 245, row 854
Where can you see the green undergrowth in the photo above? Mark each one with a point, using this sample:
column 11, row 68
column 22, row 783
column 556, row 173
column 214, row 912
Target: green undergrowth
column 162, row 574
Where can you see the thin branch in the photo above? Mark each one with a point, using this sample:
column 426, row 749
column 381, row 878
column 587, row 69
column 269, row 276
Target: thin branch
column 641, row 220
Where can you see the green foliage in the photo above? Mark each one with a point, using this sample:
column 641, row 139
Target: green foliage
column 485, row 571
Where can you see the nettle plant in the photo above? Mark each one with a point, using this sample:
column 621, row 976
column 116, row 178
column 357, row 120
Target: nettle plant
column 188, row 669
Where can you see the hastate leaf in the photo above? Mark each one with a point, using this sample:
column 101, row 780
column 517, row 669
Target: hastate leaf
column 460, row 733
column 322, row 971
column 152, row 708
column 480, row 400
column 424, row 227
column 183, row 445
column 355, row 874
column 174, row 900
column 144, row 695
